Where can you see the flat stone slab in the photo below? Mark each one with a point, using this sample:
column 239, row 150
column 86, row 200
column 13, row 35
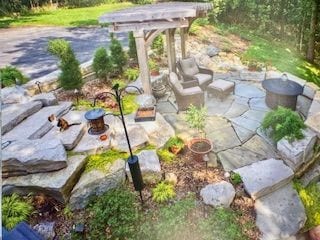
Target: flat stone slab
column 311, row 175
column 259, row 145
column 32, row 156
column 280, row 215
column 15, row 113
column 244, row 122
column 70, row 137
column 252, row 75
column 266, row 137
column 298, row 152
column 313, row 122
column 258, row 104
column 237, row 157
column 47, row 99
column 249, row 91
column 315, row 105
column 242, row 133
column 217, row 107
column 95, row 183
column 224, row 138
column 264, row 177
column 37, row 125
column 12, row 95
column 303, row 105
column 310, row 89
column 236, row 110
column 149, row 165
column 58, row 184
column 255, row 115
column 218, row 194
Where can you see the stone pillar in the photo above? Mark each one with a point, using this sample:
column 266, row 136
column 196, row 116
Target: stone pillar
column 143, row 61
column 171, row 52
column 183, row 37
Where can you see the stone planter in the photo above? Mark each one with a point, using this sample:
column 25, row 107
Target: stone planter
column 159, row 90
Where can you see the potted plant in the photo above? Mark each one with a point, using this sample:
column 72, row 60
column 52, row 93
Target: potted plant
column 175, row 145
column 196, row 117
column 154, row 68
column 159, row 88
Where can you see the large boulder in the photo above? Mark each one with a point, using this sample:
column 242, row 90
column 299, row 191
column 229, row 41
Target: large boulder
column 303, row 105
column 212, row 51
column 264, row 177
column 313, row 122
column 17, row 94
column 280, row 215
column 57, row 184
column 33, row 156
column 315, row 105
column 218, row 194
column 47, row 99
column 149, row 165
column 299, row 151
column 95, row 183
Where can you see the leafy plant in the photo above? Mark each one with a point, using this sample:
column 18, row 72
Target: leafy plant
column 165, row 155
column 284, row 123
column 153, row 65
column 115, row 215
column 163, row 192
column 70, row 77
column 121, row 83
column 157, row 45
column 235, row 178
column 196, row 117
column 67, row 212
column 10, row 76
column 174, row 141
column 101, row 63
column 131, row 73
column 132, row 47
column 14, row 210
column 310, row 197
column 118, row 57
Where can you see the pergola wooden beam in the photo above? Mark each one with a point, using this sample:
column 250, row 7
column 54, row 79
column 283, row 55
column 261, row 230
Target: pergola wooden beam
column 148, row 21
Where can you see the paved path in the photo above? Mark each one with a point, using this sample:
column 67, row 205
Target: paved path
column 25, row 48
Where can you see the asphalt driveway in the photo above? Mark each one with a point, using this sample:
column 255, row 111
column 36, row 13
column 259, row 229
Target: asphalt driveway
column 26, row 48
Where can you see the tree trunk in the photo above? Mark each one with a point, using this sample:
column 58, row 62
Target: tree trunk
column 301, row 32
column 282, row 18
column 313, row 25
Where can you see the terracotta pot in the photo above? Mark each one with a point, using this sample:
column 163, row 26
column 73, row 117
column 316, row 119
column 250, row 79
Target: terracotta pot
column 314, row 233
column 200, row 147
column 154, row 73
column 175, row 149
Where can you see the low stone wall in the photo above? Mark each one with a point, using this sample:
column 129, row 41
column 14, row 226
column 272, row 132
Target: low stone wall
column 49, row 82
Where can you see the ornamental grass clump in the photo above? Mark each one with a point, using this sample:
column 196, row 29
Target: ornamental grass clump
column 163, row 192
column 283, row 123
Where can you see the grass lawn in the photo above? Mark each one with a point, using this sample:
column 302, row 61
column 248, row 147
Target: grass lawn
column 64, row 16
column 279, row 54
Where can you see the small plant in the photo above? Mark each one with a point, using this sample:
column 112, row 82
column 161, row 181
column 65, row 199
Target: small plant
column 101, row 63
column 67, row 212
column 196, row 118
column 283, row 123
column 154, row 67
column 163, row 192
column 70, row 77
column 175, row 144
column 121, row 82
column 115, row 215
column 118, row 57
column 14, row 210
column 157, row 45
column 10, row 76
column 132, row 47
column 235, row 178
column 132, row 74
column 165, row 155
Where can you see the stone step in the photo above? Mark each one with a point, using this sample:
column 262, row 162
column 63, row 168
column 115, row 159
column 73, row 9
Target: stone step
column 16, row 113
column 57, row 184
column 280, row 215
column 264, row 177
column 70, row 137
column 37, row 125
column 22, row 157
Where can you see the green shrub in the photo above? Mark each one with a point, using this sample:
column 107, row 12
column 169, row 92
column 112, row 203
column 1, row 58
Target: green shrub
column 222, row 224
column 101, row 63
column 157, row 45
column 165, row 155
column 132, row 47
column 196, row 117
column 115, row 215
column 283, row 123
column 132, row 74
column 10, row 76
column 163, row 192
column 70, row 77
column 14, row 210
column 121, row 83
column 235, row 178
column 153, row 65
column 310, row 197
column 118, row 57
column 174, row 141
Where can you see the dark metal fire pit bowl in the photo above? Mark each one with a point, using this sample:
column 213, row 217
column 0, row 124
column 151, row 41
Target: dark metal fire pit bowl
column 96, row 121
column 281, row 92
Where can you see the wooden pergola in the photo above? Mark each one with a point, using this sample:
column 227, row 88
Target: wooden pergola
column 148, row 21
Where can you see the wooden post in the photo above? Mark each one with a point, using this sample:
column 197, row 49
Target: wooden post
column 183, row 32
column 143, row 61
column 171, row 53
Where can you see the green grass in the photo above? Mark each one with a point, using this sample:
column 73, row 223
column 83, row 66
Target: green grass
column 74, row 17
column 279, row 54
